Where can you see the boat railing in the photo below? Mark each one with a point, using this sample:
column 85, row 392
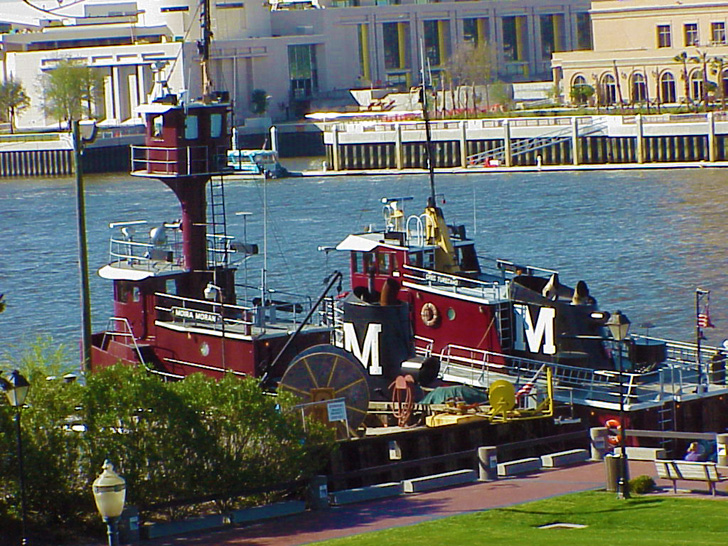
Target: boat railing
column 145, row 250
column 177, row 161
column 490, row 290
column 219, row 249
column 674, row 380
column 120, row 328
column 205, row 314
column 415, row 230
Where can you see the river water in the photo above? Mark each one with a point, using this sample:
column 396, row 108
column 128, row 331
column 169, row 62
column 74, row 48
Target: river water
column 642, row 240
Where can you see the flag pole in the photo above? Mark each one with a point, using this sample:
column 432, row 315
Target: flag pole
column 699, row 293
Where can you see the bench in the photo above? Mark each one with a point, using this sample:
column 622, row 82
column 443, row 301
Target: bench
column 438, row 481
column 564, row 458
column 643, row 453
column 689, row 471
column 519, row 466
column 370, row 492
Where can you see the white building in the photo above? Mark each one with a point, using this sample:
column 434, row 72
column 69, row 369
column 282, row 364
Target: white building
column 297, row 51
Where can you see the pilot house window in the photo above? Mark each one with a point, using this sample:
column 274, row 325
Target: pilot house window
column 157, row 124
column 191, row 130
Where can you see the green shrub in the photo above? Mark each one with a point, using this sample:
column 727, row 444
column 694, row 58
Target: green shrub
column 642, row 485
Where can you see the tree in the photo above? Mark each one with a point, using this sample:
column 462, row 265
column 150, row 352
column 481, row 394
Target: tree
column 12, row 100
column 259, row 101
column 473, row 65
column 683, row 59
column 702, row 59
column 70, row 90
column 581, row 93
column 717, row 67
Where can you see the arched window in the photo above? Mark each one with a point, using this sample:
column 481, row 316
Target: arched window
column 639, row 88
column 668, row 93
column 696, row 85
column 609, row 87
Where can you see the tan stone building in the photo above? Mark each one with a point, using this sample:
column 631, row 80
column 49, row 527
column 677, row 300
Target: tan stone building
column 650, row 51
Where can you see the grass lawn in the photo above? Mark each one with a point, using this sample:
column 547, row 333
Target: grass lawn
column 642, row 520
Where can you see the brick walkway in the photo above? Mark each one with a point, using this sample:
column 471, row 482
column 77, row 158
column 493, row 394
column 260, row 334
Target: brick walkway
column 411, row 509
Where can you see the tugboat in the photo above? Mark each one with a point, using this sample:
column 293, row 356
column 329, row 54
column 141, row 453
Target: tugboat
column 176, row 309
column 485, row 322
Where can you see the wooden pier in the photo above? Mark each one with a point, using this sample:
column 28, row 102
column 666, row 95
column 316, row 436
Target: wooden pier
column 535, row 141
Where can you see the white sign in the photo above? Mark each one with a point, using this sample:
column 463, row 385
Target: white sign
column 337, row 410
column 541, row 337
column 195, row 314
column 368, row 354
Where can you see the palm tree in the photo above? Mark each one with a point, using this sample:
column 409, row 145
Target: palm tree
column 702, row 59
column 683, row 59
column 717, row 65
column 13, row 100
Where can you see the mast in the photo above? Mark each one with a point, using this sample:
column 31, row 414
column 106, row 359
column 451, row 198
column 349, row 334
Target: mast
column 203, row 46
column 426, row 118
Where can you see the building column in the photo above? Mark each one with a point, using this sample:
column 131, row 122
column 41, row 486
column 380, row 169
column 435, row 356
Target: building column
column 335, row 147
column 507, row 149
column 575, row 147
column 109, row 97
column 463, row 143
column 712, row 142
column 116, row 92
column 398, row 151
column 640, row 151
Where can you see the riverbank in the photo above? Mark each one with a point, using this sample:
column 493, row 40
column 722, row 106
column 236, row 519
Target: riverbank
column 523, row 169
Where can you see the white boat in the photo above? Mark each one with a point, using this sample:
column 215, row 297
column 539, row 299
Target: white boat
column 256, row 163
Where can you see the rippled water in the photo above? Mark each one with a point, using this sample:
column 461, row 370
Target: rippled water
column 643, row 241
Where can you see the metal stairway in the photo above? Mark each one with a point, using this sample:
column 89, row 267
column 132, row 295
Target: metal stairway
column 524, row 146
column 504, row 317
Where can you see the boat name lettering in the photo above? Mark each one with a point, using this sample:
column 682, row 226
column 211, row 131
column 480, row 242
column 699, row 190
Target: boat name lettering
column 540, row 337
column 442, row 279
column 368, row 353
column 195, row 314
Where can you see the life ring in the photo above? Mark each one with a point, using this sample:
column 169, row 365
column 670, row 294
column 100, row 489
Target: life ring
column 429, row 314
column 614, row 431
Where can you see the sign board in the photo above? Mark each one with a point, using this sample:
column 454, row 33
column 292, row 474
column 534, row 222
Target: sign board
column 337, row 410
column 195, row 314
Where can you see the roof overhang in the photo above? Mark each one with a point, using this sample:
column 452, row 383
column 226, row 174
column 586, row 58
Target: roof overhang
column 120, row 274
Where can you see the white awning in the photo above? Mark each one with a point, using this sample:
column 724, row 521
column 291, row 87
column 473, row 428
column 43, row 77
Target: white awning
column 358, row 243
column 122, row 274
column 155, row 108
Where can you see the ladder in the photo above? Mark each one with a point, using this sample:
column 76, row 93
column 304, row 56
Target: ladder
column 504, row 318
column 217, row 246
column 666, row 422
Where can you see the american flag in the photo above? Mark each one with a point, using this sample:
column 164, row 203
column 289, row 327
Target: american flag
column 529, row 385
column 704, row 320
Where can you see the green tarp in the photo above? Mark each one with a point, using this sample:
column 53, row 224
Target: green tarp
column 462, row 393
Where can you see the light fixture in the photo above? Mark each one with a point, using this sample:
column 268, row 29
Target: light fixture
column 618, row 325
column 110, row 493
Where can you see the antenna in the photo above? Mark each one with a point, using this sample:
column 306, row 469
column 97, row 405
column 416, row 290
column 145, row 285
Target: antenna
column 426, row 118
column 203, row 46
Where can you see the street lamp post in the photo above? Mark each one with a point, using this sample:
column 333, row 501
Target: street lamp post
column 16, row 389
column 83, row 132
column 110, row 493
column 619, row 327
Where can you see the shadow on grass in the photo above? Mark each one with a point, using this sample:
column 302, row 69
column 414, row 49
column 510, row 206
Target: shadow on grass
column 628, row 505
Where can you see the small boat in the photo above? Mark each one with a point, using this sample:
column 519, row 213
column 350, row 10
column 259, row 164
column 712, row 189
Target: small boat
column 256, row 163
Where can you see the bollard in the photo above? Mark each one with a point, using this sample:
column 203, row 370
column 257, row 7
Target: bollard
column 598, row 443
column 318, row 493
column 129, row 526
column 487, row 464
column 722, row 441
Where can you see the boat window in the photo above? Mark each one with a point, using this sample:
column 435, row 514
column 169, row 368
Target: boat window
column 369, row 262
column 191, row 130
column 415, row 259
column 429, row 259
column 384, row 262
column 215, row 125
column 157, row 124
column 357, row 262
column 121, row 291
column 136, row 294
column 170, row 287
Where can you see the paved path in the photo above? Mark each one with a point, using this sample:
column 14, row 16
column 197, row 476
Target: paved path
column 408, row 510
